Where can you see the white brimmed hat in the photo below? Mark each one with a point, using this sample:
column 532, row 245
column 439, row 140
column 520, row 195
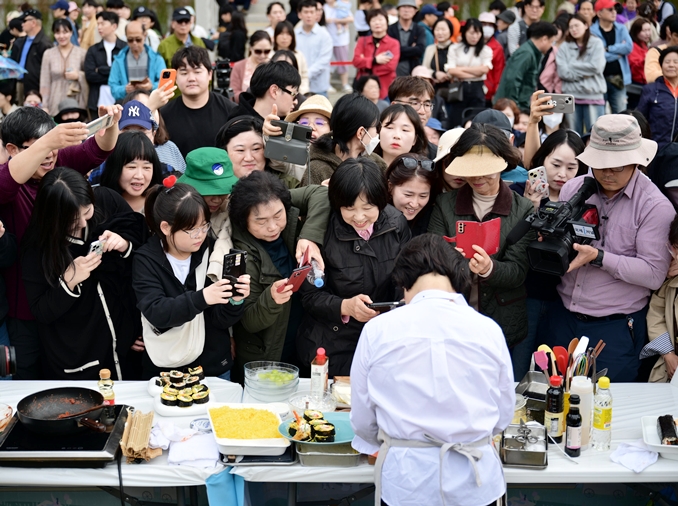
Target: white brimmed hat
column 446, row 141
column 616, row 141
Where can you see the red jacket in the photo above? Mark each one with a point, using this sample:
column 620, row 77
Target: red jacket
column 637, row 63
column 363, row 58
column 498, row 63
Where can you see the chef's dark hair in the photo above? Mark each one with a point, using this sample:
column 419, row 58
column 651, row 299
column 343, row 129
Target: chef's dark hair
column 429, row 253
column 180, row 205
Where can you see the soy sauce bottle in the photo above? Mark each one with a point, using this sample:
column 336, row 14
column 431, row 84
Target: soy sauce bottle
column 573, row 428
column 554, row 417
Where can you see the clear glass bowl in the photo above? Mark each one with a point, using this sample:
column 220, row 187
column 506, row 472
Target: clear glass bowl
column 304, row 399
column 277, row 374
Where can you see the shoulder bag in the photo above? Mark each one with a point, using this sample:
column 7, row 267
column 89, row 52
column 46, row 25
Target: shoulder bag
column 455, row 89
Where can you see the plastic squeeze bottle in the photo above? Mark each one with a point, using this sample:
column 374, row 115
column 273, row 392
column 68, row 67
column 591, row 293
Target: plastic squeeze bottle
column 582, row 386
column 553, row 416
column 602, row 416
column 319, row 371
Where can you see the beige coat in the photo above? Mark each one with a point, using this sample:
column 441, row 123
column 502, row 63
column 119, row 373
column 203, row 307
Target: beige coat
column 661, row 318
column 54, row 87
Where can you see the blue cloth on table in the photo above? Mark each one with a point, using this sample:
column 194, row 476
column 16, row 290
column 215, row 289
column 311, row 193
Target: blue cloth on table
column 225, row 489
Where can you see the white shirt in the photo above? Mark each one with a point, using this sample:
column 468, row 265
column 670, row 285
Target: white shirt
column 438, row 367
column 458, row 55
column 180, row 267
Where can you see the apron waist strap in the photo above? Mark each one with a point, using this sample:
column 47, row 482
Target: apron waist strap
column 469, row 450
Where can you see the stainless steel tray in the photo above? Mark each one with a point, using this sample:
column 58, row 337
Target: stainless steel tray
column 339, row 455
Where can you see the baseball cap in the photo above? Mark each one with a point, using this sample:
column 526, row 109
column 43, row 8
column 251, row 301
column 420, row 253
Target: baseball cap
column 60, row 4
column 136, row 113
column 406, row 3
column 141, row 11
column 508, row 16
column 72, row 6
column 435, row 124
column 181, row 14
column 430, row 9
column 35, row 13
column 494, row 118
column 209, row 171
column 604, row 4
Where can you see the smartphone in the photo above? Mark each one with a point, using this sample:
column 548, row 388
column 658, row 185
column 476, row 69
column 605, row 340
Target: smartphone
column 99, row 124
column 135, row 83
column 561, row 103
column 97, row 247
column 538, row 176
column 235, row 265
column 299, row 132
column 389, row 53
column 167, row 76
column 296, row 278
column 383, row 307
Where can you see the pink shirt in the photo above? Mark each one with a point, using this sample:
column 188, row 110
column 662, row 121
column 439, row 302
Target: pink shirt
column 636, row 258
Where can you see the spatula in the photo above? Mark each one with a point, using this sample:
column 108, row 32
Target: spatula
column 551, row 357
column 573, row 345
column 541, row 359
column 561, row 358
column 581, row 347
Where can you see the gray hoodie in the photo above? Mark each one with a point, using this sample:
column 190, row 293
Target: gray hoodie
column 582, row 77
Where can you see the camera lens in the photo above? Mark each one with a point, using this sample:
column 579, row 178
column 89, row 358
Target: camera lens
column 7, row 361
column 165, row 75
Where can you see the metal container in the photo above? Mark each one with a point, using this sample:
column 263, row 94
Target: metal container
column 520, row 410
column 513, row 452
column 339, row 455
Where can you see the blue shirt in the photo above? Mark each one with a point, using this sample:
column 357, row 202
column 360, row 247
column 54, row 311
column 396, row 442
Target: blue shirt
column 316, row 46
column 25, row 50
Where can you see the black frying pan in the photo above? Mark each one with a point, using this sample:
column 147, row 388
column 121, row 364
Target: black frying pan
column 39, row 412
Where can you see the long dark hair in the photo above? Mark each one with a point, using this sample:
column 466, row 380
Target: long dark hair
column 391, row 113
column 475, row 24
column 284, row 26
column 351, row 112
column 130, row 146
column 62, row 194
column 238, row 22
column 180, row 206
column 585, row 39
column 553, row 141
column 636, row 28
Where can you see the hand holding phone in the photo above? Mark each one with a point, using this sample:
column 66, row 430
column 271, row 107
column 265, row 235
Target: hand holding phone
column 99, row 124
column 281, row 292
column 97, row 247
column 167, row 76
column 358, row 309
column 296, row 279
column 559, row 102
column 537, row 178
column 383, row 307
column 234, row 266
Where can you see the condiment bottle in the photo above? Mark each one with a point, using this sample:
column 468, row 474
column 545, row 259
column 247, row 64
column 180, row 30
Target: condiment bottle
column 105, row 385
column 319, row 372
column 553, row 416
column 573, row 428
column 602, row 416
column 582, row 386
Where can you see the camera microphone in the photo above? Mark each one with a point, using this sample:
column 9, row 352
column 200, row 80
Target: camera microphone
column 518, row 232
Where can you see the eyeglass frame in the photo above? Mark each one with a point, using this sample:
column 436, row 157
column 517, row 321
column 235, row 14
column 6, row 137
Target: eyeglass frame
column 292, row 94
column 418, row 163
column 194, row 233
column 427, row 105
column 322, row 123
column 615, row 170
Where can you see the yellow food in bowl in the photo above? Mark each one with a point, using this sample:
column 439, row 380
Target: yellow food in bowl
column 244, row 423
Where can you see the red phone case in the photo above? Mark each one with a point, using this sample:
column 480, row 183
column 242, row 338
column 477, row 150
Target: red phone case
column 296, row 279
column 484, row 234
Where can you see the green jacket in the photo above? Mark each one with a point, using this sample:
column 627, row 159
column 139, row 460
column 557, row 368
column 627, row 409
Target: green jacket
column 260, row 334
column 519, row 80
column 501, row 295
column 171, row 45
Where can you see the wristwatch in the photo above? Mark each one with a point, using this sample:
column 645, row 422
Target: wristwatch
column 598, row 261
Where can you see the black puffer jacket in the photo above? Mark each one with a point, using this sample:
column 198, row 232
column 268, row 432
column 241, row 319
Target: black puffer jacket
column 167, row 303
column 353, row 266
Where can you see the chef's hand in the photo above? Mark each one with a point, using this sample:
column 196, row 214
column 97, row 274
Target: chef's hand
column 585, row 254
column 671, row 362
column 355, row 308
column 313, row 249
column 269, row 129
column 139, row 344
column 114, row 242
column 242, row 286
column 218, row 293
column 80, row 269
column 284, row 295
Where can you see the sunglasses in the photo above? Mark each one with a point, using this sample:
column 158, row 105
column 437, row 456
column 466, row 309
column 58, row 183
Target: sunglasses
column 259, row 52
column 411, row 163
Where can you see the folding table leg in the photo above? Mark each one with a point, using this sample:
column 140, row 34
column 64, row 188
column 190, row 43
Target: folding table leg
column 291, row 494
column 181, row 501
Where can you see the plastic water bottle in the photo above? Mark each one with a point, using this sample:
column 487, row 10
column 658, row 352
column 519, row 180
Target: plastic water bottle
column 602, row 416
column 316, row 276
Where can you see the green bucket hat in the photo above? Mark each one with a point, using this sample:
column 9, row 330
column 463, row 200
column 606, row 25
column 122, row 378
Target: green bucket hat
column 210, row 171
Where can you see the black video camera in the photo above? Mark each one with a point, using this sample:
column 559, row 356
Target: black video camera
column 560, row 224
column 221, row 78
column 7, row 361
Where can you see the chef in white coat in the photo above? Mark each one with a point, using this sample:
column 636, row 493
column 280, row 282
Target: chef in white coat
column 431, row 383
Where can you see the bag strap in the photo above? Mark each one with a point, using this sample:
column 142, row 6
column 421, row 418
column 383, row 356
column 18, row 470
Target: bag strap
column 436, row 57
column 201, row 271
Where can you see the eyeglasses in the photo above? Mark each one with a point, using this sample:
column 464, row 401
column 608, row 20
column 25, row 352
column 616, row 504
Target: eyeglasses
column 415, row 104
column 259, row 52
column 317, row 122
column 290, row 93
column 135, row 40
column 616, row 170
column 194, row 233
column 411, row 163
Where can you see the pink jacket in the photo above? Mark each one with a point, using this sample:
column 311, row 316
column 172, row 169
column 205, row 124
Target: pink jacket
column 237, row 76
column 549, row 77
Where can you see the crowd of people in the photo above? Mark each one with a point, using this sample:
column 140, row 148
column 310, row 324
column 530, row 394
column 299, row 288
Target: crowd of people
column 443, row 121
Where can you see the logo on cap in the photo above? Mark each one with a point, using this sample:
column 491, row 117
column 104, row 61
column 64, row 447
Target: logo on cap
column 218, row 169
column 134, row 111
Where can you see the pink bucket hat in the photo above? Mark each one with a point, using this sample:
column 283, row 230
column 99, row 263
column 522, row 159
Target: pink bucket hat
column 616, row 141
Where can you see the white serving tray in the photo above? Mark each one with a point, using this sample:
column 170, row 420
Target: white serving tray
column 651, row 439
column 162, row 410
column 273, row 447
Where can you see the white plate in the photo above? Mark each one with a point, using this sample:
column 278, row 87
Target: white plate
column 162, row 410
column 651, row 439
column 273, row 446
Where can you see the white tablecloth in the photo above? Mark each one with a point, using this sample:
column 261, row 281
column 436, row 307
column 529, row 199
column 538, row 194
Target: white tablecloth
column 631, row 402
column 155, row 473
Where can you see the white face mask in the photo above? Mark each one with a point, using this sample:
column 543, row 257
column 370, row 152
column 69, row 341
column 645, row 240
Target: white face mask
column 553, row 120
column 488, row 31
column 370, row 146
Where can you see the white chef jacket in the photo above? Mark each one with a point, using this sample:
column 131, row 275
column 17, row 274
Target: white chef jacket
column 435, row 367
